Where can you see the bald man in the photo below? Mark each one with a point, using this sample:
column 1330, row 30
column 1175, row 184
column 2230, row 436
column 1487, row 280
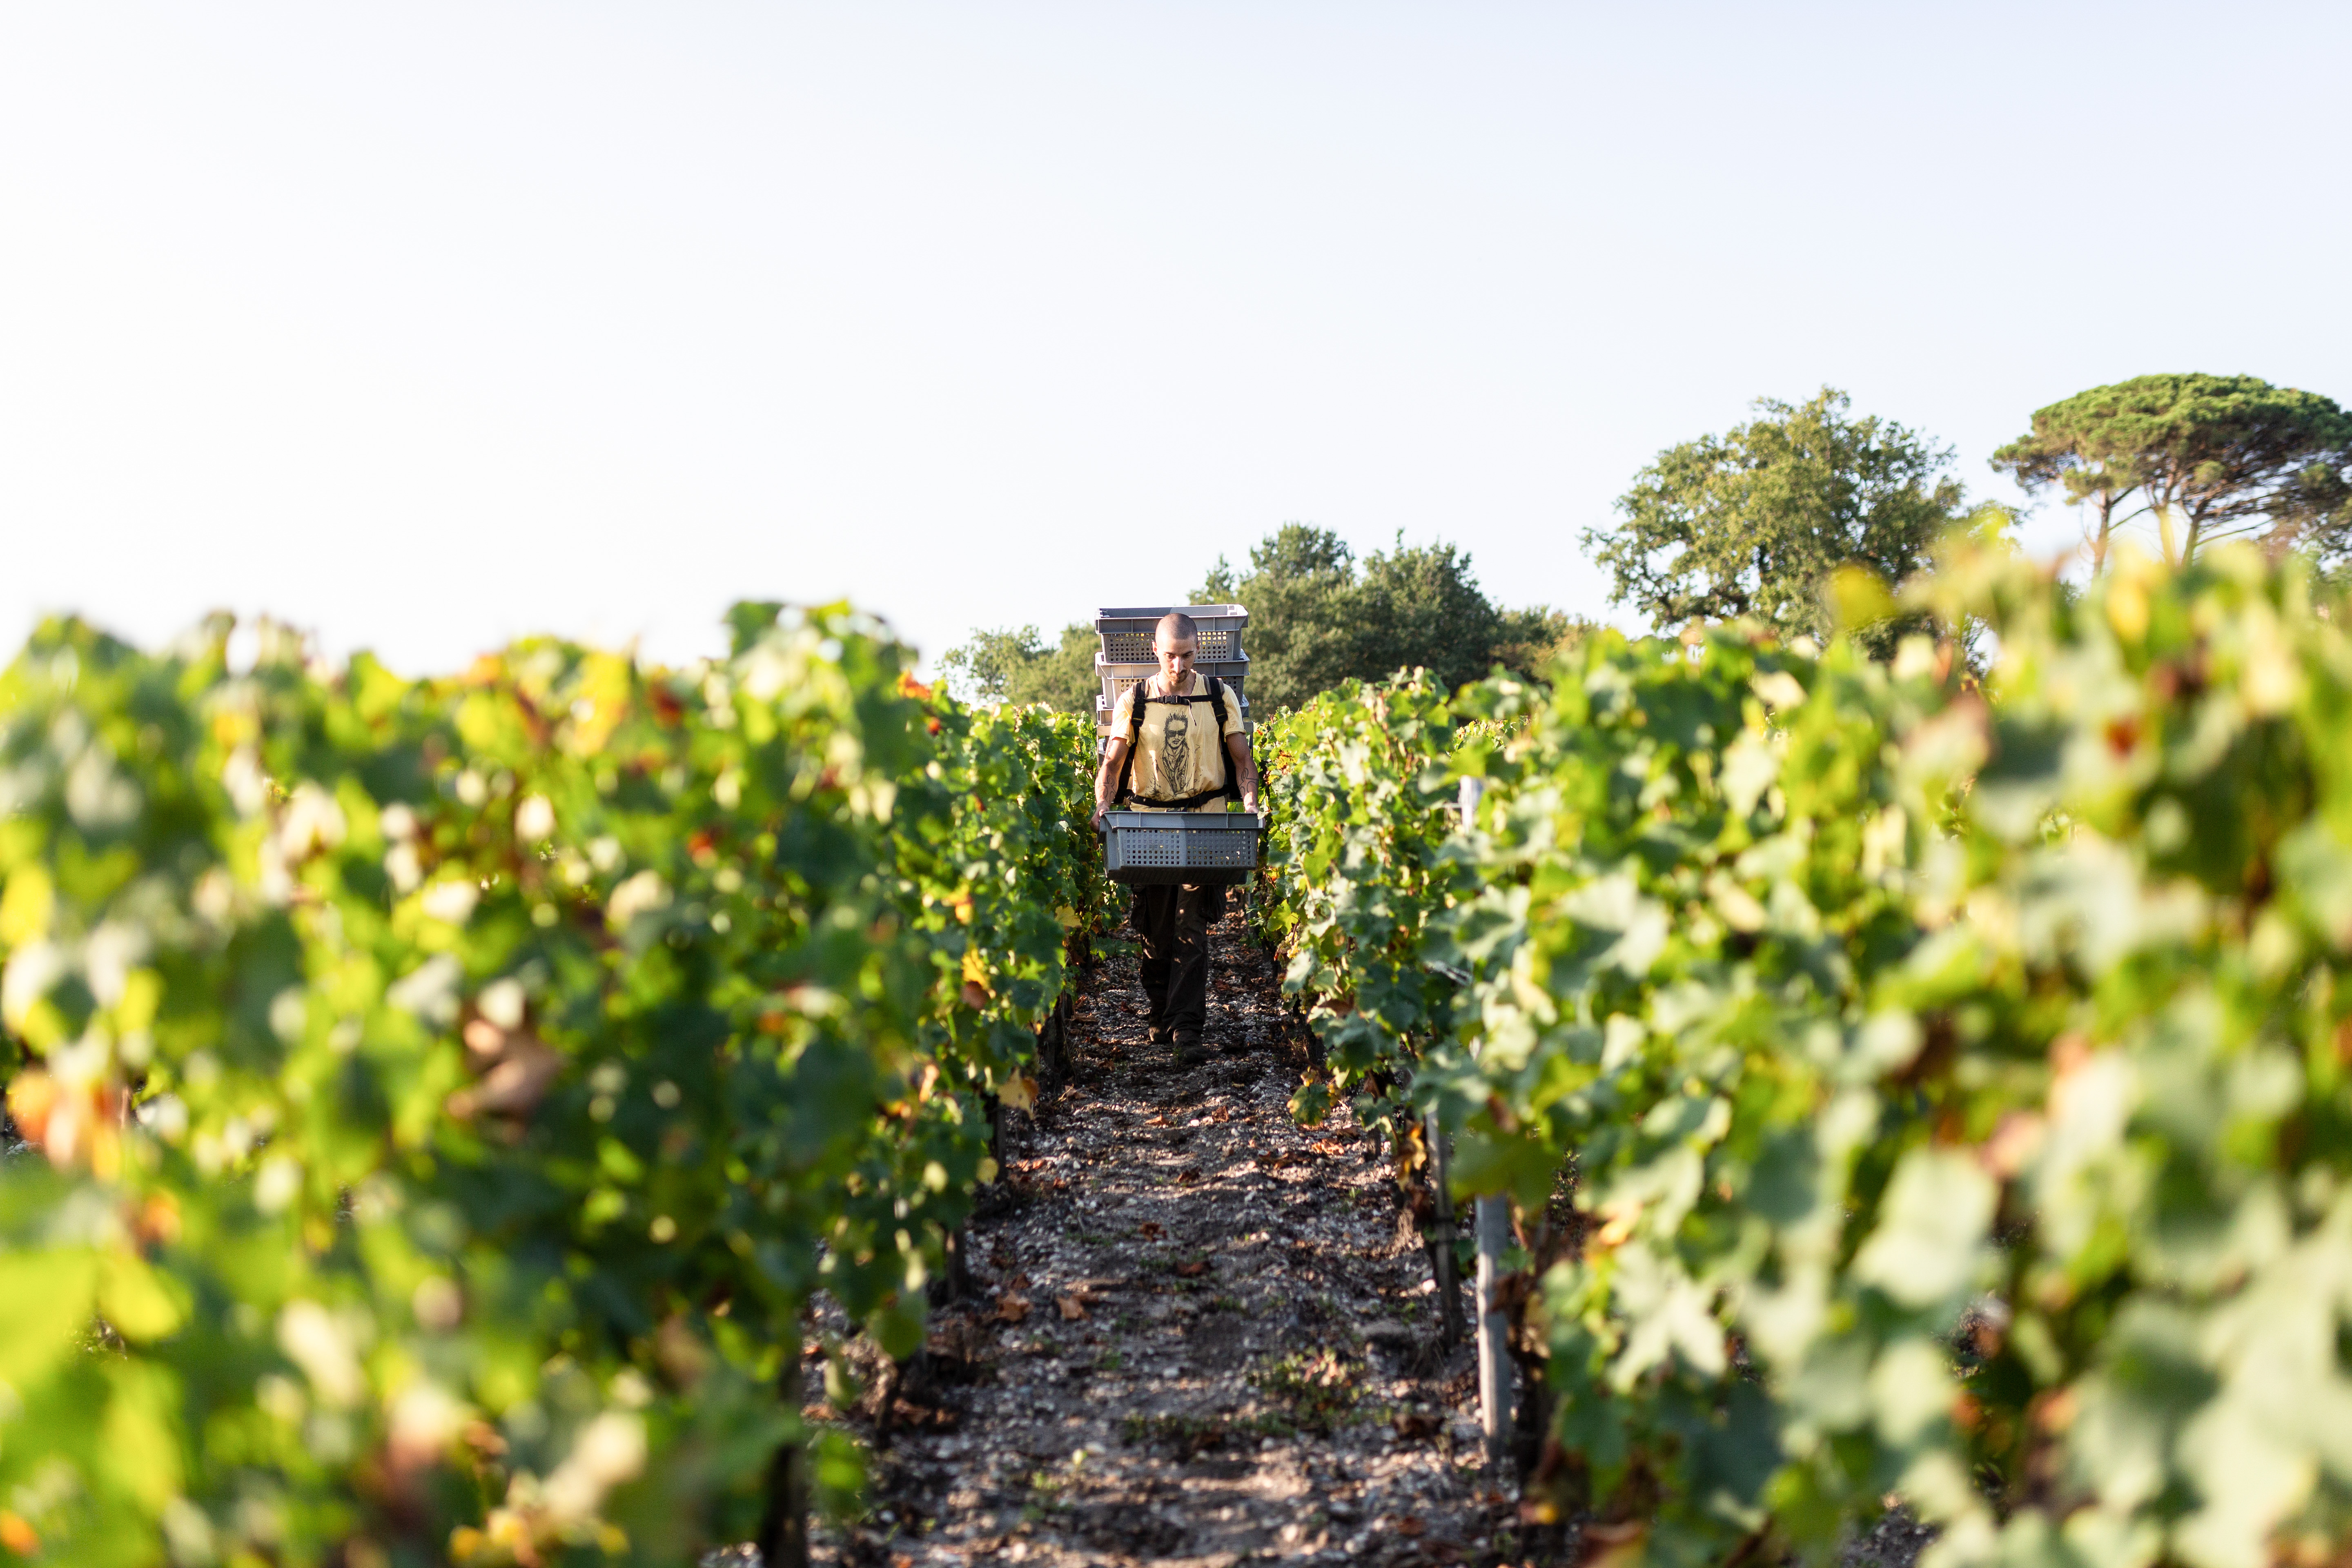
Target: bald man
column 1186, row 756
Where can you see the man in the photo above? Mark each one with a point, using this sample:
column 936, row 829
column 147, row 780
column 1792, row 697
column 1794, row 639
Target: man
column 1182, row 757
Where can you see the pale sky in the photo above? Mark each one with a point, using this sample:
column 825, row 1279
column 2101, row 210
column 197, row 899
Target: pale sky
column 427, row 325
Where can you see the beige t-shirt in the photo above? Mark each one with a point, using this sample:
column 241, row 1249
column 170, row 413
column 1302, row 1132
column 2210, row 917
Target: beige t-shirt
column 1180, row 751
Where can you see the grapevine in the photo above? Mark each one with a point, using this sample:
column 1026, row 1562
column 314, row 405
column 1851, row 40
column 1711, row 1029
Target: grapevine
column 451, row 1093
column 1953, row 1070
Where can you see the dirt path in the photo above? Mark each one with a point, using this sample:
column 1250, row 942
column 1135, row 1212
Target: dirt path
column 1201, row 1334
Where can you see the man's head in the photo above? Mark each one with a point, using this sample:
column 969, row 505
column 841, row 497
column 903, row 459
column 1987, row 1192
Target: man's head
column 1176, row 643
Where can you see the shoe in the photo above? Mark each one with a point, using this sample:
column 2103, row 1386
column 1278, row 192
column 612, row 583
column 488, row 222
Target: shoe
column 1189, row 1053
column 1156, row 1035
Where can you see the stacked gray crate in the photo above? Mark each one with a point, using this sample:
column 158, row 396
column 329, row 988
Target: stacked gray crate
column 1146, row 847
column 1126, row 655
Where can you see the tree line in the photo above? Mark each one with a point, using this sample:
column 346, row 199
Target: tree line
column 1755, row 523
column 1319, row 617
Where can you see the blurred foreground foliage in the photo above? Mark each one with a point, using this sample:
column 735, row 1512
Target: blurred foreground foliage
column 445, row 1095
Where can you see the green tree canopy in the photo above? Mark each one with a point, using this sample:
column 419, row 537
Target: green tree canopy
column 2203, row 457
column 1320, row 618
column 1303, row 635
column 1020, row 667
column 1753, row 523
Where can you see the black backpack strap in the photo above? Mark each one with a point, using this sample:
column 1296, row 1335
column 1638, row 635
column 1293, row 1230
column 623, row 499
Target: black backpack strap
column 1134, row 739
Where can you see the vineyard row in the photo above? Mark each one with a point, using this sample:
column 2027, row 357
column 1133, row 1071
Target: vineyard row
column 1910, row 1082
column 450, row 1094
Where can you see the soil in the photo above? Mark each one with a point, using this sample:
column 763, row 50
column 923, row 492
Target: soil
column 1197, row 1332
column 1193, row 1333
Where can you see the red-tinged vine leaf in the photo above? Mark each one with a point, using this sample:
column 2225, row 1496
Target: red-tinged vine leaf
column 521, row 1067
column 18, row 1536
column 72, row 1123
column 157, row 1220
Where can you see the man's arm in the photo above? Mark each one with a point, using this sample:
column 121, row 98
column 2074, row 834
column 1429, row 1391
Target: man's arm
column 1245, row 767
column 1107, row 776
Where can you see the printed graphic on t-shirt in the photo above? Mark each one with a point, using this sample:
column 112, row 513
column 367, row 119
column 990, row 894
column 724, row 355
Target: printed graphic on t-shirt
column 1175, row 755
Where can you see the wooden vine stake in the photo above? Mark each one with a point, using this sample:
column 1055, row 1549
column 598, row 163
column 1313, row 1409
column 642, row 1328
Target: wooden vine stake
column 1449, row 1291
column 783, row 1526
column 1493, row 1223
column 1495, row 1371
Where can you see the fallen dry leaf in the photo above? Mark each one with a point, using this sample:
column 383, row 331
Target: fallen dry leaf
column 1013, row 1309
column 1189, row 1173
column 1193, row 1269
column 1410, row 1524
column 1615, row 1545
column 1149, row 1230
column 1072, row 1307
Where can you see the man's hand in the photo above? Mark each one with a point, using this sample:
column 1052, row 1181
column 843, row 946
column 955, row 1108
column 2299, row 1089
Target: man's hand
column 1107, row 778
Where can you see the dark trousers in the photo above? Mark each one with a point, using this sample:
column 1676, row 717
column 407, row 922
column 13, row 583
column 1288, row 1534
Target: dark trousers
column 1174, row 925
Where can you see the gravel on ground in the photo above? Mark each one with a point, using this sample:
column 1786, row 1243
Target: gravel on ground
column 1200, row 1333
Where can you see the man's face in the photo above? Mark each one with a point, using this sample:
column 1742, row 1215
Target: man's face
column 1176, row 655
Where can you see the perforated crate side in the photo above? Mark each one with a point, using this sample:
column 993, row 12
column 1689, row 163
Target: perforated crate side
column 1152, row 849
column 1126, row 633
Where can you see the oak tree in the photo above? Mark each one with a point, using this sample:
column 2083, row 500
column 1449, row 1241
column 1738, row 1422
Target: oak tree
column 1021, row 667
column 1320, row 618
column 1754, row 522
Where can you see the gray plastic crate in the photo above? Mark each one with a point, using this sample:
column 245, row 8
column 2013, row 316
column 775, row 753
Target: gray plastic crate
column 1154, row 849
column 1127, row 632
